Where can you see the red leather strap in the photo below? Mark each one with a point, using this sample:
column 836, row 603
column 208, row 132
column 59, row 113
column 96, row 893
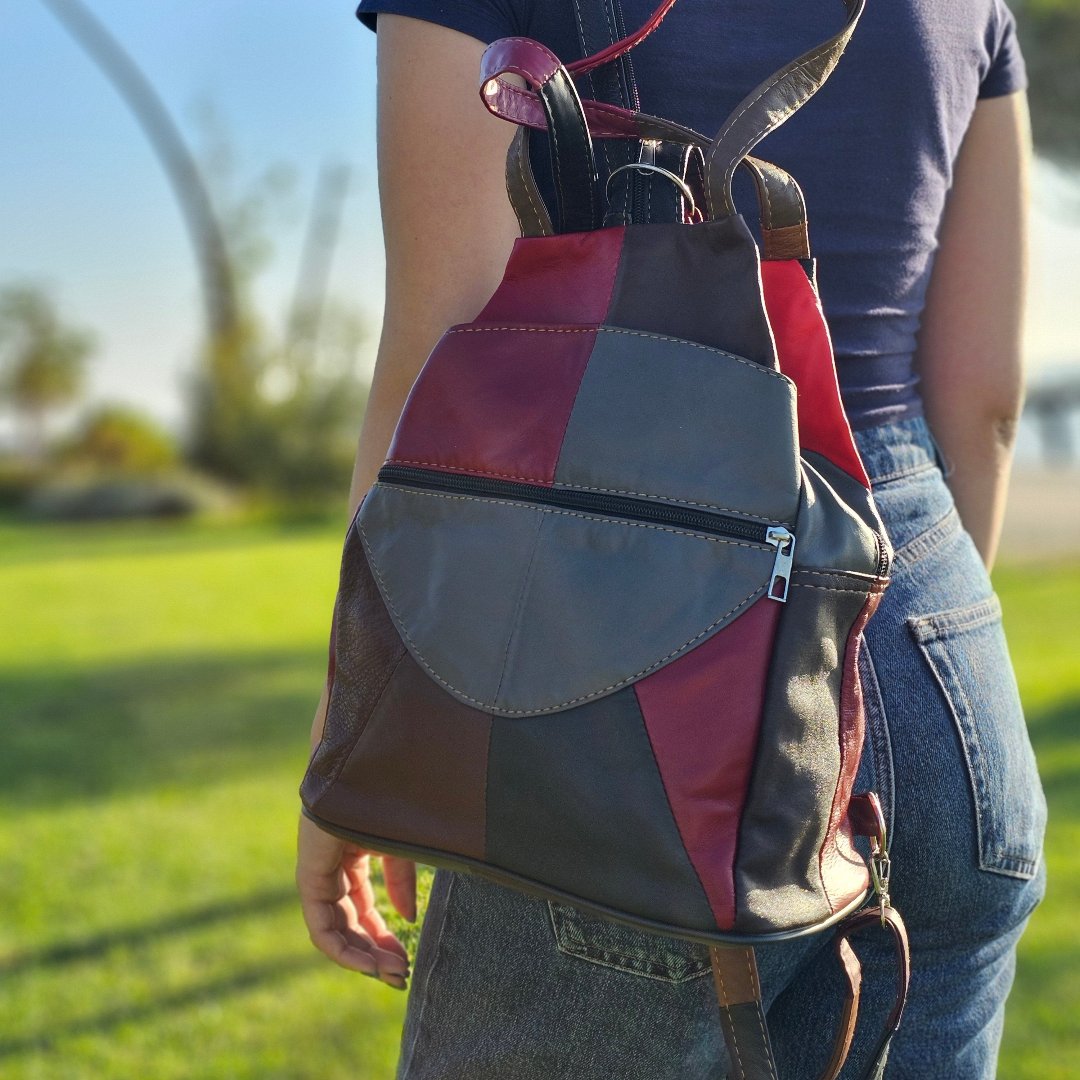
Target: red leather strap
column 620, row 48
column 867, row 817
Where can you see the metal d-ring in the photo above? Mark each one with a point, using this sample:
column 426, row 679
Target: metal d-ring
column 643, row 166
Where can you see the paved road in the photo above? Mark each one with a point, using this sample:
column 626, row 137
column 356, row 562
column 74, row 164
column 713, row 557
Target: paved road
column 1042, row 520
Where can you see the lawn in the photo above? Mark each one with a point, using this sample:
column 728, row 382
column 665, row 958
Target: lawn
column 156, row 685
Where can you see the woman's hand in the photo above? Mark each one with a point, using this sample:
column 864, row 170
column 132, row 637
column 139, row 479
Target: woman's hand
column 338, row 903
column 337, row 898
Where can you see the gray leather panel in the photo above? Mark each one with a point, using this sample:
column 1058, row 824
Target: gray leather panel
column 644, row 390
column 791, row 793
column 831, row 534
column 473, row 555
column 541, row 608
column 843, row 536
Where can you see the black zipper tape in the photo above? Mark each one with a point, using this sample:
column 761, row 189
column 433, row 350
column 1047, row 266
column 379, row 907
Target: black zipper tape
column 589, row 502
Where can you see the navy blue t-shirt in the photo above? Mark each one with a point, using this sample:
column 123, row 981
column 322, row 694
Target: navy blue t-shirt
column 873, row 151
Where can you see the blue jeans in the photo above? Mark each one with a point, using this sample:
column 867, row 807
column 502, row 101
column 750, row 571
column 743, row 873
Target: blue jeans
column 509, row 987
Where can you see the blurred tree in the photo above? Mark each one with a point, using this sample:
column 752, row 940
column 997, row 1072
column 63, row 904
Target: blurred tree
column 43, row 361
column 176, row 159
column 262, row 412
column 120, row 439
column 1050, row 39
column 277, row 408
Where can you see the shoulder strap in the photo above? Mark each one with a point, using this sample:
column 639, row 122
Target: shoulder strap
column 763, row 110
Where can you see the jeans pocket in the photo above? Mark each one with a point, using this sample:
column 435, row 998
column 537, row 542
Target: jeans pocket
column 625, row 948
column 968, row 655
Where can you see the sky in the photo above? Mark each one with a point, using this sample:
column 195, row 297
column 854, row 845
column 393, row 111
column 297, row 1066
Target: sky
column 86, row 211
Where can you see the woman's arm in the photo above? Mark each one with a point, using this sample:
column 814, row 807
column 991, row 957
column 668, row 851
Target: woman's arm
column 448, row 228
column 969, row 353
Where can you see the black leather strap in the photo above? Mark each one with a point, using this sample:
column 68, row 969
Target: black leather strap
column 573, row 166
column 600, row 24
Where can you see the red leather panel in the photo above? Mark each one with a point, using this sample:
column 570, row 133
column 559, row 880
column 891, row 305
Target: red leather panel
column 494, row 401
column 711, row 696
column 805, row 354
column 843, row 872
column 558, row 279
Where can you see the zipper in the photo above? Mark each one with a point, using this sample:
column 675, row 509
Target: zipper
column 608, row 505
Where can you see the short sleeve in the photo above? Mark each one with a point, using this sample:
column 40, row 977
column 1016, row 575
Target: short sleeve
column 486, row 20
column 1006, row 72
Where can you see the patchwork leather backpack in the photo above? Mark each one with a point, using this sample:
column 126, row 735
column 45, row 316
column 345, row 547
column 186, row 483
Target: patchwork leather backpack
column 598, row 620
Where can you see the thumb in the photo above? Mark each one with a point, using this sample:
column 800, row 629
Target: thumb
column 400, row 878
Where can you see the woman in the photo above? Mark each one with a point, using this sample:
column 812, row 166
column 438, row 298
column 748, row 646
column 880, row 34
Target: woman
column 914, row 163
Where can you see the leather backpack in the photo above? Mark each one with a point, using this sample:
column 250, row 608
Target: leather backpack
column 598, row 619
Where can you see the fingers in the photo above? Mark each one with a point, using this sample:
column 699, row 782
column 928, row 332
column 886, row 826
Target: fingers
column 391, row 953
column 338, row 906
column 400, row 878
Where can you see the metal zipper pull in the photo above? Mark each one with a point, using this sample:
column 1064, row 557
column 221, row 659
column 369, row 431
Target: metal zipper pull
column 784, row 542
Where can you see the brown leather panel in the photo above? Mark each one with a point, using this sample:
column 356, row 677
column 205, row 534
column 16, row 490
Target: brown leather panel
column 842, row 869
column 418, row 773
column 364, row 647
column 790, row 242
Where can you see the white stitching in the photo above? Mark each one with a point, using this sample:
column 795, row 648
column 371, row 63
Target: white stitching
column 731, row 1026
column 632, row 333
column 542, row 227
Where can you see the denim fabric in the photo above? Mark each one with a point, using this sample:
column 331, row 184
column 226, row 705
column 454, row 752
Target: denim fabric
column 507, row 985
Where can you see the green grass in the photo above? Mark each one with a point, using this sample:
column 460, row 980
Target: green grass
column 156, row 686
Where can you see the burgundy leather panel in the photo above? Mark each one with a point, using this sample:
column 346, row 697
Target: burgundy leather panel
column 843, row 872
column 494, row 401
column 711, row 696
column 419, row 770
column 805, row 354
column 557, row 279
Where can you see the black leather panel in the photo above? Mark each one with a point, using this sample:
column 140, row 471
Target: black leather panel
column 594, row 763
column 697, row 283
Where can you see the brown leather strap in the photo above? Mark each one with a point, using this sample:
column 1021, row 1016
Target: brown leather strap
column 768, row 105
column 529, row 206
column 889, row 919
column 742, row 1016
